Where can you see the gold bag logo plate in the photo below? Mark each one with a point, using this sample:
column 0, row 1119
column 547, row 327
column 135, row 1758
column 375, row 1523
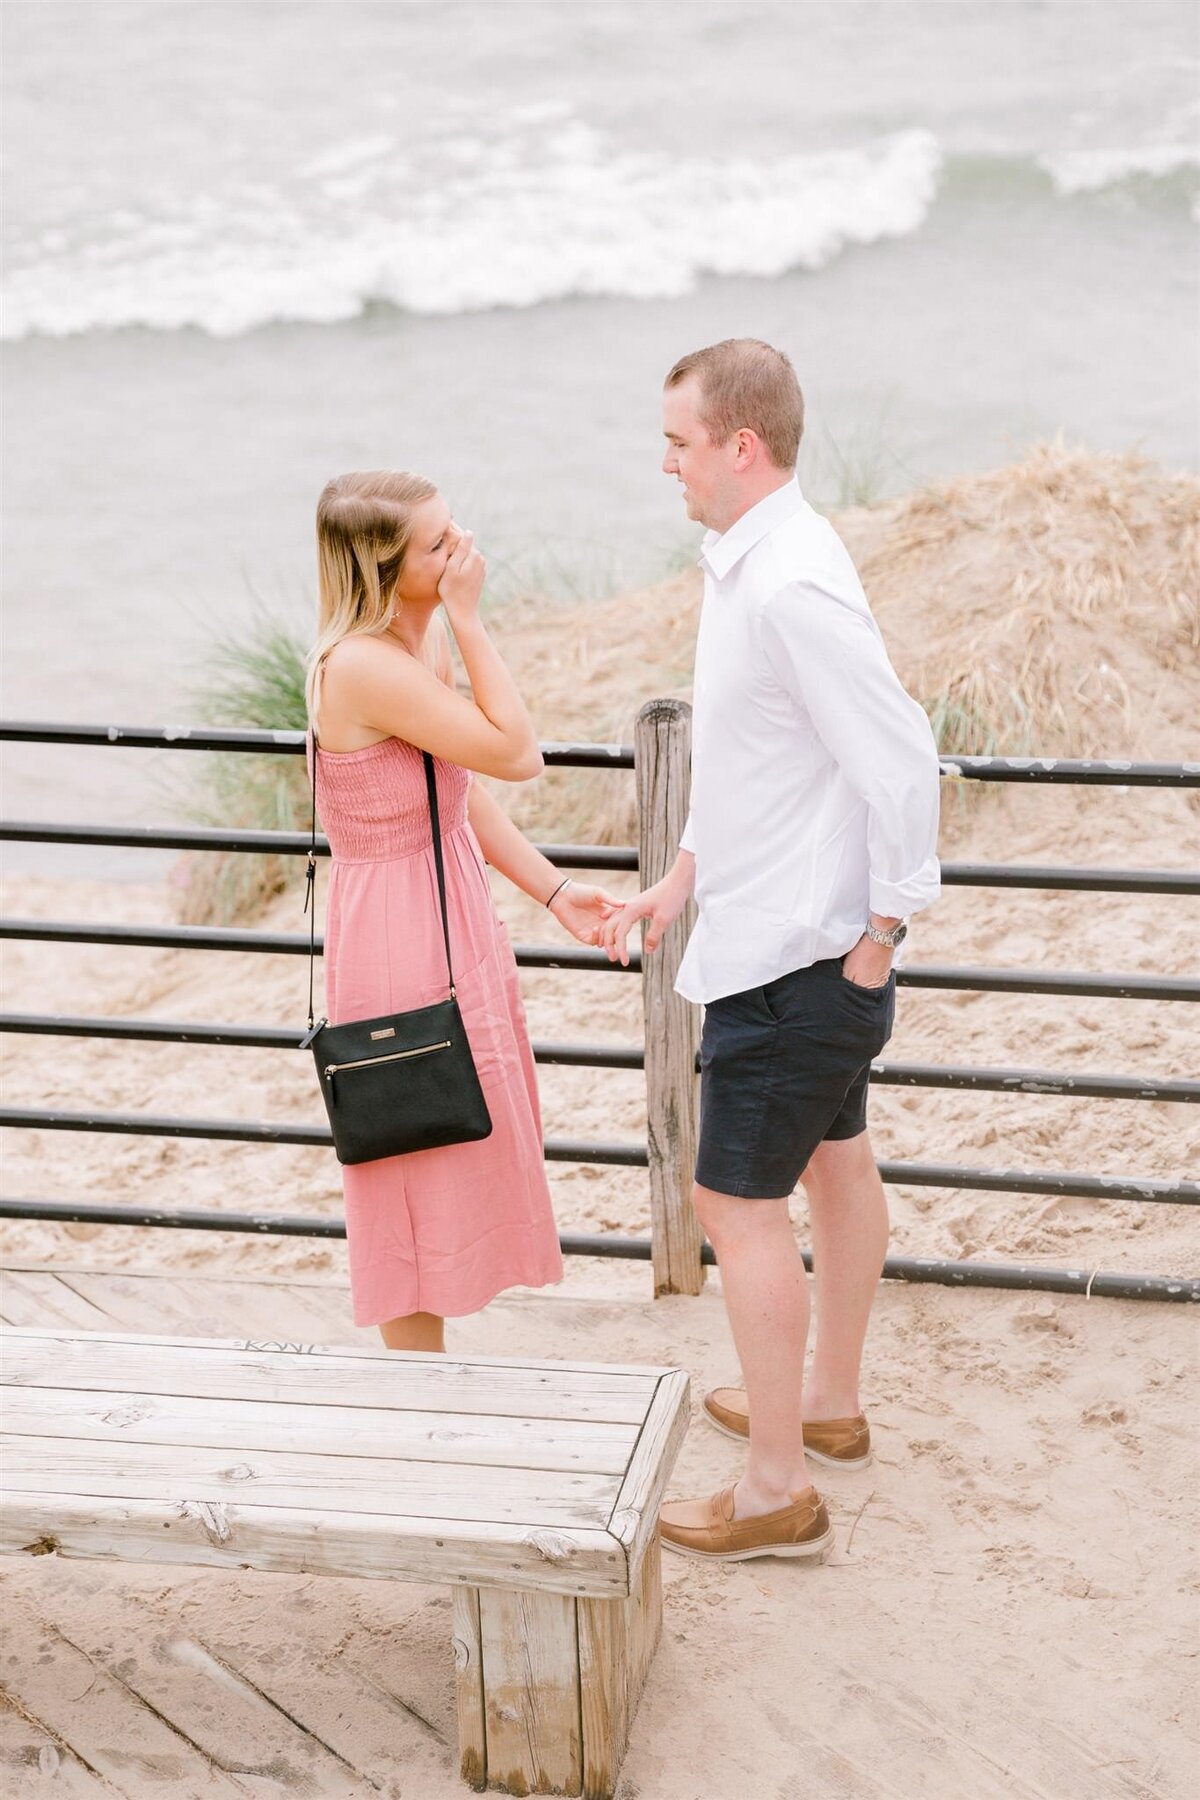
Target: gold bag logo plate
column 390, row 1031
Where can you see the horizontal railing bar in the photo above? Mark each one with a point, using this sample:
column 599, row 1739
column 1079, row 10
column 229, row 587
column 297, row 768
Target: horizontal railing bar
column 1056, row 981
column 1088, row 771
column 616, row 1056
column 1032, row 1277
column 274, row 743
column 1027, row 1276
column 161, row 937
column 1035, row 1081
column 1071, row 880
column 589, row 1056
column 276, row 1037
column 549, row 956
column 546, row 956
column 1068, row 879
column 1067, row 1183
column 265, row 843
column 1020, row 1181
column 67, row 1212
column 272, row 943
column 245, row 1131
column 1078, row 771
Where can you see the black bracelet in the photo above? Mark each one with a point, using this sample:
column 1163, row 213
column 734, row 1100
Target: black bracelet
column 566, row 882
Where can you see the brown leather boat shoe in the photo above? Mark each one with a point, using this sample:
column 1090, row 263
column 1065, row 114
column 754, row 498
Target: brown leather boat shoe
column 839, row 1443
column 707, row 1528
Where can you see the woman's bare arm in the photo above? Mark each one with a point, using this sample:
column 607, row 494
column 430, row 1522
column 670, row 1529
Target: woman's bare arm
column 376, row 683
column 379, row 685
column 507, row 848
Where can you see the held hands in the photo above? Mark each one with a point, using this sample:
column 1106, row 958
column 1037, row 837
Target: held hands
column 582, row 910
column 660, row 905
column 462, row 578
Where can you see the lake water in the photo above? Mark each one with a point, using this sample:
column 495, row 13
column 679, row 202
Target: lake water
column 249, row 245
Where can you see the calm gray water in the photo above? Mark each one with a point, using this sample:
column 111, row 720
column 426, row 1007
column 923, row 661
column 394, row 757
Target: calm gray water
column 248, row 245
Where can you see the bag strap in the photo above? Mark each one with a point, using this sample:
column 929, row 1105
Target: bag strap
column 435, row 821
column 310, row 880
column 310, row 874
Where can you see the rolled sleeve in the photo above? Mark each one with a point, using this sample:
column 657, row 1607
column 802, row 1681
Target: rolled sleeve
column 832, row 660
column 686, row 839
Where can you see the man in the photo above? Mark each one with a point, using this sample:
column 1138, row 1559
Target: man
column 811, row 840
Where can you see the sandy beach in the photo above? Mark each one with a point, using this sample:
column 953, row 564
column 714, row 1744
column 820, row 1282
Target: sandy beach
column 1010, row 1610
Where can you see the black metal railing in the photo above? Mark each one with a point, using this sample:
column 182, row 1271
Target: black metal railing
column 1108, row 772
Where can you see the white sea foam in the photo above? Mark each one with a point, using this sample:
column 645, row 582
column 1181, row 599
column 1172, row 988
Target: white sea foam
column 1089, row 171
column 548, row 210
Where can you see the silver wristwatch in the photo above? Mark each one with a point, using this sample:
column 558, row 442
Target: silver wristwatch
column 889, row 939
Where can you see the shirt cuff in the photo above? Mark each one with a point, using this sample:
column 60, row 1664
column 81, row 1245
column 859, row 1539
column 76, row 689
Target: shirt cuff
column 900, row 899
column 686, row 841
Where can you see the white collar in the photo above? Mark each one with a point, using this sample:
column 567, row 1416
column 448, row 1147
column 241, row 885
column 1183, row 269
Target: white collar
column 720, row 550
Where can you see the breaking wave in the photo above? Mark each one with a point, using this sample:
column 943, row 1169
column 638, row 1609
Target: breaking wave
column 492, row 226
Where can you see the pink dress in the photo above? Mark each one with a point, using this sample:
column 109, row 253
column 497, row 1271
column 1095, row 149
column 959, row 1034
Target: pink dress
column 437, row 1231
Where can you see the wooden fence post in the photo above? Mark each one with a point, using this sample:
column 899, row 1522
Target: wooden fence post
column 663, row 758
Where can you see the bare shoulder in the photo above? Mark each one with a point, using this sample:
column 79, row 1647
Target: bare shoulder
column 363, row 659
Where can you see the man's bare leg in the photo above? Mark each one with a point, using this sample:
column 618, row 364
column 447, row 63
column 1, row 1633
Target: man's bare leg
column 415, row 1331
column 766, row 1297
column 849, row 1221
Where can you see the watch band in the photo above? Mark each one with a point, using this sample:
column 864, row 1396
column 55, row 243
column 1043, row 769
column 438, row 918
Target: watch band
column 889, row 939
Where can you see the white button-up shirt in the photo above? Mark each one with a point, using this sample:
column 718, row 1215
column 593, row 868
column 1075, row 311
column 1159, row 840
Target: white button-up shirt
column 814, row 774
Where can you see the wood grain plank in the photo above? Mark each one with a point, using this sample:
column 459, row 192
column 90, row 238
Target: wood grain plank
column 44, row 1299
column 78, row 1700
column 531, row 1692
column 216, row 1307
column 634, row 1517
column 412, row 1382
column 224, row 1534
column 568, row 1445
column 604, row 1692
column 617, row 1641
column 202, row 1689
column 225, row 1279
column 645, row 1623
column 36, row 1763
column 317, row 1669
column 468, row 1689
column 172, row 1299
column 371, row 1353
column 662, row 754
column 297, row 1481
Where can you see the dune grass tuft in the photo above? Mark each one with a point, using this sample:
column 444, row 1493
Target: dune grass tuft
column 254, row 682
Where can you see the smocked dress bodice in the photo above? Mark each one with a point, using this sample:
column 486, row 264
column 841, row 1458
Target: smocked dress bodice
column 373, row 803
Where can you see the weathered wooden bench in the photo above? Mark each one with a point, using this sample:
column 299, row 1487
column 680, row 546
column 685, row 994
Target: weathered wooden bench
column 532, row 1487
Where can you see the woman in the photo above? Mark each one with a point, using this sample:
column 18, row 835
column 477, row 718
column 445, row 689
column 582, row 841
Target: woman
column 437, row 1232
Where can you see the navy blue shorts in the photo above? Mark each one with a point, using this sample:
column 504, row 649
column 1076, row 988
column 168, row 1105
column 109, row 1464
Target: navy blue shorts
column 782, row 1068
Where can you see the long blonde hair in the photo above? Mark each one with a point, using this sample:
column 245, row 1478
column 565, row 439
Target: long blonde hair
column 364, row 526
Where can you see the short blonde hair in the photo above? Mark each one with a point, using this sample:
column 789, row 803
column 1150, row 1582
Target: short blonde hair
column 746, row 385
column 364, row 526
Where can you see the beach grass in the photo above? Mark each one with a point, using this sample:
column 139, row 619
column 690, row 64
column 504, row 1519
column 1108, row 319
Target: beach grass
column 856, row 464
column 254, row 681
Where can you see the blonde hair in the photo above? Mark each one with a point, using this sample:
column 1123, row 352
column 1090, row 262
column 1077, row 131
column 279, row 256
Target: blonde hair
column 364, row 526
column 746, row 385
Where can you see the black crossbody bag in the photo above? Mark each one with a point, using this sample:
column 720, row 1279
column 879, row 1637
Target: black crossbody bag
column 404, row 1082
